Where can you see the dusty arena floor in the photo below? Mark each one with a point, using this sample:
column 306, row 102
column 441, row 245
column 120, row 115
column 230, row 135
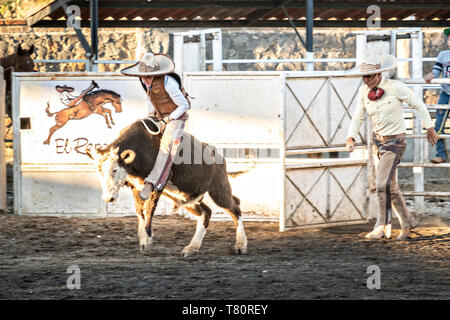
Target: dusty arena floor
column 316, row 264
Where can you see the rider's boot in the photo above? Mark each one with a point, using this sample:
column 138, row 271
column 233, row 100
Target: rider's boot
column 145, row 193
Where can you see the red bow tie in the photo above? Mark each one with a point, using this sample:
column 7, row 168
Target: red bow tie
column 375, row 93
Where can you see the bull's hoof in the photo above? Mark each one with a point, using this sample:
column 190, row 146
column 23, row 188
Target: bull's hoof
column 46, row 142
column 189, row 250
column 144, row 245
column 240, row 249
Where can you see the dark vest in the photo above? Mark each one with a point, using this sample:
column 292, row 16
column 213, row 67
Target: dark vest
column 160, row 99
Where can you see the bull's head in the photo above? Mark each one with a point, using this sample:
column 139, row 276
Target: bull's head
column 109, row 167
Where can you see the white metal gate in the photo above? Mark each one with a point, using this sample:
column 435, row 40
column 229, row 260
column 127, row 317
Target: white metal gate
column 323, row 191
column 318, row 111
column 324, row 194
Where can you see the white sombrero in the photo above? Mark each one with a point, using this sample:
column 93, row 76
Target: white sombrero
column 151, row 65
column 374, row 63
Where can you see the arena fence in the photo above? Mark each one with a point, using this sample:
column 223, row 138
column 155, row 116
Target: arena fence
column 267, row 124
column 243, row 114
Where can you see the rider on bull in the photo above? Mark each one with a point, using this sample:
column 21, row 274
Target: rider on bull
column 168, row 105
column 71, row 100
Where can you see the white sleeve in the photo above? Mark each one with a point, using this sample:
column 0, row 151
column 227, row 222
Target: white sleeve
column 173, row 89
column 358, row 117
column 409, row 97
column 438, row 66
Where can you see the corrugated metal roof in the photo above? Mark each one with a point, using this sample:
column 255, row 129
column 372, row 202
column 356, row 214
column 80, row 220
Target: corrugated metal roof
column 242, row 13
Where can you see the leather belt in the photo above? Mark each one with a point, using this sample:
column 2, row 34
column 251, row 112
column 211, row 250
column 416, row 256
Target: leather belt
column 385, row 138
column 153, row 115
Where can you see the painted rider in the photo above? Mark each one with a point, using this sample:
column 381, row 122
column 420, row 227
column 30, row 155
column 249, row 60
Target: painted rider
column 168, row 104
column 70, row 100
column 382, row 98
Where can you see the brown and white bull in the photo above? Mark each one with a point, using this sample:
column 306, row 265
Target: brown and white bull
column 130, row 158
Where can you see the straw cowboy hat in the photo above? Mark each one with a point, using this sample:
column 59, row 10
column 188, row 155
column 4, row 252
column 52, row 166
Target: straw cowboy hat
column 64, row 88
column 151, row 65
column 374, row 63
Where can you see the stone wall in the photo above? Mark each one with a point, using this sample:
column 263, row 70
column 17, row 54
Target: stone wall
column 57, row 44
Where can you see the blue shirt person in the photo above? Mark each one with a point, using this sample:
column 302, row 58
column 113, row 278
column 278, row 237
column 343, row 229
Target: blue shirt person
column 442, row 65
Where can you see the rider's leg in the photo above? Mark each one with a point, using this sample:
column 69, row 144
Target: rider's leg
column 167, row 150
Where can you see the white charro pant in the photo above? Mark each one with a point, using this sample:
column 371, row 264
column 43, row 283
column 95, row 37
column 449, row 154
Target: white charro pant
column 170, row 142
column 389, row 195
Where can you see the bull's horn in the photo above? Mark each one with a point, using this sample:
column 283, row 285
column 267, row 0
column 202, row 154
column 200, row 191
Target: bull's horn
column 128, row 156
column 92, row 153
column 89, row 154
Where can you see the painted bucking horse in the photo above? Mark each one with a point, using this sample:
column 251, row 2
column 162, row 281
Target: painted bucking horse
column 83, row 106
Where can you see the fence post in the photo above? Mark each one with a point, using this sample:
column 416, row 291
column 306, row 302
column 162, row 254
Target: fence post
column 2, row 144
column 416, row 39
column 178, row 42
column 217, row 51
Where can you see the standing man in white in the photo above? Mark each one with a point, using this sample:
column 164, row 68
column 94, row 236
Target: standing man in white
column 382, row 98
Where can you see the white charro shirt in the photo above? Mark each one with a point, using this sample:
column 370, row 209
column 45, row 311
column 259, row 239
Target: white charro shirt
column 386, row 113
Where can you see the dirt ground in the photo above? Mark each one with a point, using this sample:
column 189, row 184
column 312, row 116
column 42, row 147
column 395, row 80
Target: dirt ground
column 331, row 263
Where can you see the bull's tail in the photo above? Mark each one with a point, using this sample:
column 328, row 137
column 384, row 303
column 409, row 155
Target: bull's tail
column 236, row 200
column 235, row 174
column 48, row 110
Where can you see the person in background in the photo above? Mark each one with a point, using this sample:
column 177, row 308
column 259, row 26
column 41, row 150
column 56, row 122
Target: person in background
column 442, row 65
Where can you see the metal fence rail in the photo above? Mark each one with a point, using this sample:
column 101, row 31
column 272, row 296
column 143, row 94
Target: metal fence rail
column 236, row 61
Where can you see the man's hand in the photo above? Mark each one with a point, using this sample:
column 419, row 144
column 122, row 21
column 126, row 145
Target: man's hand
column 432, row 136
column 429, row 77
column 350, row 146
column 162, row 125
